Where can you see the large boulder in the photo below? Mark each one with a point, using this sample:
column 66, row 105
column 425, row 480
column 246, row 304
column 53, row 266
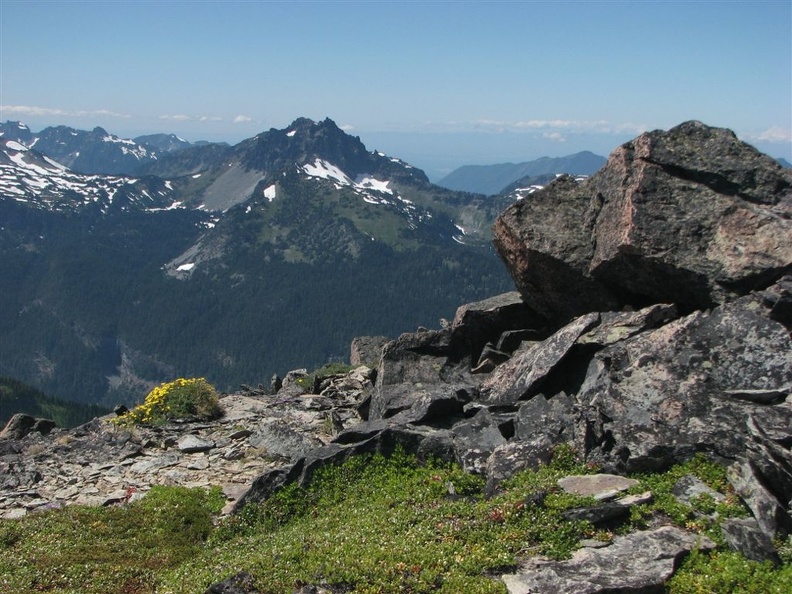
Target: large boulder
column 691, row 216
column 672, row 390
column 366, row 350
column 482, row 322
column 414, row 365
column 20, row 425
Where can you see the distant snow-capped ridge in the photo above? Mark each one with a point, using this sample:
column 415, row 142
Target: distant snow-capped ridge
column 520, row 193
column 30, row 177
column 95, row 151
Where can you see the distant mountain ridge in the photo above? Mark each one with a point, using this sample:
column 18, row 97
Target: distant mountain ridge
column 16, row 397
column 494, row 179
column 95, row 151
column 28, row 176
column 230, row 262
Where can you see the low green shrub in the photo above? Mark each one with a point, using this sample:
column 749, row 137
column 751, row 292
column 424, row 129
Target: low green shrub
column 725, row 572
column 309, row 381
column 390, row 525
column 705, row 514
column 370, row 525
column 106, row 550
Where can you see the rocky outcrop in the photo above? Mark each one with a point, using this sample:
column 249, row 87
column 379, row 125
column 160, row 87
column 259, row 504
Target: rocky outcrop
column 632, row 391
column 665, row 333
column 691, row 216
column 21, row 425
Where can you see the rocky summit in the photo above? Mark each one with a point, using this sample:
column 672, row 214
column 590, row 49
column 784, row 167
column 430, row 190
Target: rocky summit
column 651, row 323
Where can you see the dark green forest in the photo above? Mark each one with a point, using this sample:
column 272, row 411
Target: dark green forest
column 16, row 397
column 82, row 296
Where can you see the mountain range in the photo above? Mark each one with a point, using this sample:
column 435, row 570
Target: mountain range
column 505, row 177
column 96, row 151
column 124, row 263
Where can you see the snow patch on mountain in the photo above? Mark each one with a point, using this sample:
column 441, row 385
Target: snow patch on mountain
column 129, row 147
column 370, row 183
column 364, row 184
column 322, row 169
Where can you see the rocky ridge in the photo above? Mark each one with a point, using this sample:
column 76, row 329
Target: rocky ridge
column 636, row 369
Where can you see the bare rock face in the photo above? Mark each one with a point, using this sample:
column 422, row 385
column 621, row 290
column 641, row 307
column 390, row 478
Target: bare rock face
column 691, row 216
column 21, row 425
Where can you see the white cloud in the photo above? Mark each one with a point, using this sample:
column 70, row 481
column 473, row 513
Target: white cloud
column 32, row 110
column 554, row 126
column 347, row 127
column 176, row 118
column 242, row 119
column 180, row 117
column 103, row 112
column 557, row 136
column 775, row 134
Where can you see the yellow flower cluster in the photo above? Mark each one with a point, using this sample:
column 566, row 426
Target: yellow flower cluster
column 179, row 398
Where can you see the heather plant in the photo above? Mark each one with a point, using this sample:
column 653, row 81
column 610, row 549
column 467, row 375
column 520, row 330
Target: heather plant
column 181, row 398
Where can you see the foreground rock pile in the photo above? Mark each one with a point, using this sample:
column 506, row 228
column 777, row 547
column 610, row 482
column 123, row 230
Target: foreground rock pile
column 652, row 322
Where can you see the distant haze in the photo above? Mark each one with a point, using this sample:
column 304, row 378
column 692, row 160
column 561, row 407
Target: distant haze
column 438, row 154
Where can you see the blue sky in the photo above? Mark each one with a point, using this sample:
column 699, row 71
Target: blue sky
column 440, row 84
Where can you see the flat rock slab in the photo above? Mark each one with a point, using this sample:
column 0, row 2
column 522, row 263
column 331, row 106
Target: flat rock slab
column 599, row 486
column 520, row 376
column 190, row 444
column 638, row 562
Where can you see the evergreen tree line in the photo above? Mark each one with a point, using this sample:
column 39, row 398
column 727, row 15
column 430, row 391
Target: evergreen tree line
column 17, row 397
column 81, row 295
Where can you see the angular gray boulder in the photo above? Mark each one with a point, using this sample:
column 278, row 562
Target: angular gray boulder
column 20, row 425
column 691, row 216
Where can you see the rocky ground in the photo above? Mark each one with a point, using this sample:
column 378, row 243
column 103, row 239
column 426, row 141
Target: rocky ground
column 102, row 463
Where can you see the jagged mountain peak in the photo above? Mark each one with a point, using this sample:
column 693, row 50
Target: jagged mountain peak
column 96, row 151
column 17, row 131
column 306, row 142
column 165, row 143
